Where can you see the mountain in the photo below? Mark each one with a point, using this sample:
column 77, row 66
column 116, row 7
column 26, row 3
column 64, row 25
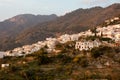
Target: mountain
column 10, row 28
column 23, row 21
column 73, row 22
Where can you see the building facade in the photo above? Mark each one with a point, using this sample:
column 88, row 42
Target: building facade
column 87, row 45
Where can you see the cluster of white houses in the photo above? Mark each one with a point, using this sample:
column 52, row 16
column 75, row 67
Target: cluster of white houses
column 50, row 43
column 112, row 32
column 112, row 20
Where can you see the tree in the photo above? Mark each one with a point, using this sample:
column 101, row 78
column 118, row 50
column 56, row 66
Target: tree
column 96, row 52
column 93, row 30
column 43, row 59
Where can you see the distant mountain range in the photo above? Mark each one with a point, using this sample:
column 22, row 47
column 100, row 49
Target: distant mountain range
column 27, row 28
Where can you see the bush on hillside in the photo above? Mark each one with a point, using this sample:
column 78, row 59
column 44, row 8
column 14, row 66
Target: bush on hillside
column 63, row 58
column 98, row 51
column 43, row 59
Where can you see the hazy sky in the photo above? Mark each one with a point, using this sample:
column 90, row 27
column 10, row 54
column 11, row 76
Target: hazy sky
column 9, row 8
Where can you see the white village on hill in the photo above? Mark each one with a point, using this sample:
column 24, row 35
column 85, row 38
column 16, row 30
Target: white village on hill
column 110, row 31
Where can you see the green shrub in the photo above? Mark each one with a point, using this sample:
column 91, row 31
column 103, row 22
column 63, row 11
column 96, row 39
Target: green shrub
column 95, row 76
column 95, row 52
column 63, row 58
column 14, row 68
column 29, row 74
column 43, row 59
column 98, row 51
column 84, row 62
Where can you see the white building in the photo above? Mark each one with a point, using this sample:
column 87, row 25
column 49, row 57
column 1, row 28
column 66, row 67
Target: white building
column 64, row 38
column 117, row 37
column 88, row 33
column 116, row 18
column 87, row 45
column 74, row 37
column 18, row 49
column 9, row 53
column 2, row 54
column 112, row 31
column 51, row 44
column 4, row 65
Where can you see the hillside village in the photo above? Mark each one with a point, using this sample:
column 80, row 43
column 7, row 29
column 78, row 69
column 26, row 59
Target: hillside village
column 92, row 53
column 110, row 31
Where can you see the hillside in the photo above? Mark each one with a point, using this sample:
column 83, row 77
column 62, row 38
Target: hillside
column 69, row 64
column 81, row 56
column 10, row 28
column 73, row 22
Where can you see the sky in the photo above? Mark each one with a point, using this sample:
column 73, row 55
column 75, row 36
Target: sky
column 10, row 8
